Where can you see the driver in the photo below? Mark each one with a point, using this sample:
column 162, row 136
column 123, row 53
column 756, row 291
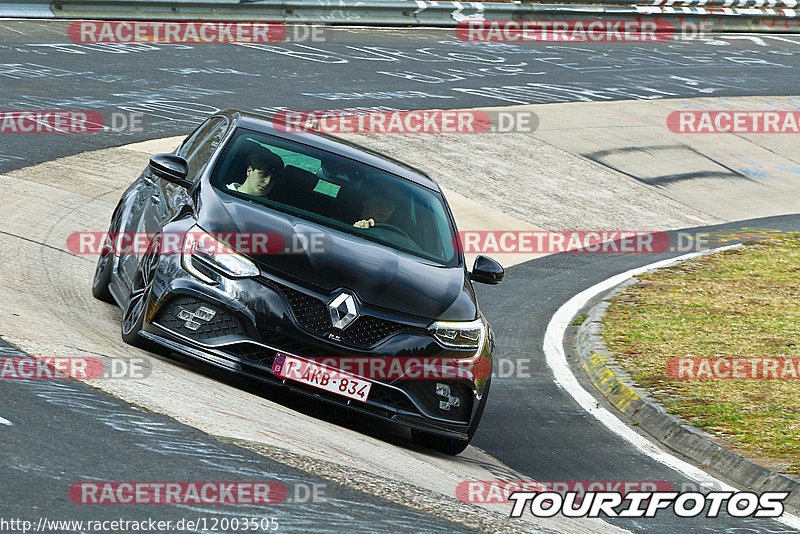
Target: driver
column 378, row 207
column 264, row 171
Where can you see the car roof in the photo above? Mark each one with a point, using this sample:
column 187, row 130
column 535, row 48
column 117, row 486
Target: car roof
column 263, row 123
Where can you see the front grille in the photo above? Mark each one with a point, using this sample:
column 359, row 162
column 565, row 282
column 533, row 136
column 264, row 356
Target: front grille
column 222, row 324
column 367, row 330
column 252, row 353
column 391, row 397
column 294, row 346
column 312, row 314
column 424, row 392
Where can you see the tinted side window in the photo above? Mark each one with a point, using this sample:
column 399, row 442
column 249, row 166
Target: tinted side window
column 198, row 149
column 194, row 138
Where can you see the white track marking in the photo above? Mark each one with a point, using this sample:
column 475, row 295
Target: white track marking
column 12, row 30
column 557, row 361
column 6, row 422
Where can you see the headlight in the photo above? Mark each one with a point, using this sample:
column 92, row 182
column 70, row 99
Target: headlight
column 463, row 335
column 202, row 246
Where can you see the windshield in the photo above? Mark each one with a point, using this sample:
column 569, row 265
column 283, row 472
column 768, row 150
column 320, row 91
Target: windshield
column 338, row 192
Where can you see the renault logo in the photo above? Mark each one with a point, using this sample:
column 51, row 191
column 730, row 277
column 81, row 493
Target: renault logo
column 343, row 311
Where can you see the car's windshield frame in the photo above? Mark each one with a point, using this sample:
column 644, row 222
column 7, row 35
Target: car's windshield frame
column 218, row 183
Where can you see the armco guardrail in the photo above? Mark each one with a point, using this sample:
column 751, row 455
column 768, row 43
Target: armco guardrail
column 23, row 9
column 716, row 15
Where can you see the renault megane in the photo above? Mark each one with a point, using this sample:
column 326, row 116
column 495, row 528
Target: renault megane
column 358, row 260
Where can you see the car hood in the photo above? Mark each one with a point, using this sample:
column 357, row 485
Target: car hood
column 378, row 275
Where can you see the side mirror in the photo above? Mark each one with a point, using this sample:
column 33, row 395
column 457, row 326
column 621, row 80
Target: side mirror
column 171, row 168
column 487, row 271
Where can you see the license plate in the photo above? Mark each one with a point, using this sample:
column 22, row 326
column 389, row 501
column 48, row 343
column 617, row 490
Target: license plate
column 321, row 377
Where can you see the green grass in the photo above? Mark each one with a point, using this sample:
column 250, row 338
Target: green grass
column 741, row 303
column 579, row 319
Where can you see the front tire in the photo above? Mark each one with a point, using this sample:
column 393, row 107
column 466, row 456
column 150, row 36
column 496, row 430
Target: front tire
column 102, row 277
column 136, row 306
column 447, row 445
column 105, row 265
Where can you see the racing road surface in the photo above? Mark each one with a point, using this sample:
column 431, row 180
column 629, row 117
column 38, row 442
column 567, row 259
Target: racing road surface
column 176, row 85
column 532, row 429
column 107, row 439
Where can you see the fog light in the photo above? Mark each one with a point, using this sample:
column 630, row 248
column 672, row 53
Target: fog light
column 443, row 390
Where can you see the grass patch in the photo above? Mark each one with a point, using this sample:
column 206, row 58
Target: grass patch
column 579, row 319
column 740, row 303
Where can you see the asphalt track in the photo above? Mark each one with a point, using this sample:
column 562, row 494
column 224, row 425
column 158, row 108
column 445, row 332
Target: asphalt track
column 530, row 425
column 176, row 85
column 109, row 440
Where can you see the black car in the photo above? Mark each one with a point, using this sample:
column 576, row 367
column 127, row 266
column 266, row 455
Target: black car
column 361, row 264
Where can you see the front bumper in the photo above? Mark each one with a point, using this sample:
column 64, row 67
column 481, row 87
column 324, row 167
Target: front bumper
column 254, row 319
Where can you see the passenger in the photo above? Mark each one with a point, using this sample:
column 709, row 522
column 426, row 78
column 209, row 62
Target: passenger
column 264, row 171
column 378, row 207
